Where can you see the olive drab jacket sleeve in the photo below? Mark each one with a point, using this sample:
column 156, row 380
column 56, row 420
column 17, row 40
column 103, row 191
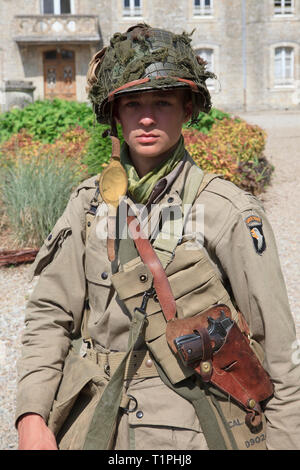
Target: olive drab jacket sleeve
column 249, row 259
column 54, row 310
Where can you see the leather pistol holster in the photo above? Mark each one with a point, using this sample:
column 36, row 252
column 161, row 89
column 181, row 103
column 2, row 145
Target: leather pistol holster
column 232, row 367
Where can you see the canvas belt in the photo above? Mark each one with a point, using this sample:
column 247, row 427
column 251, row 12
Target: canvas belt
column 139, row 364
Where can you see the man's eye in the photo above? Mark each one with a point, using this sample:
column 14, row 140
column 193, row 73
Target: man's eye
column 164, row 103
column 131, row 104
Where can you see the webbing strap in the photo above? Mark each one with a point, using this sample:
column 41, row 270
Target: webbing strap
column 191, row 391
column 195, row 178
column 102, row 426
column 171, row 230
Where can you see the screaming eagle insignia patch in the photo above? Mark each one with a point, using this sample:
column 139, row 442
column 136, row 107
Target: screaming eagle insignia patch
column 254, row 224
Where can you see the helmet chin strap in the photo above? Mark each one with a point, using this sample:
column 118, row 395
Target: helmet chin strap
column 115, row 141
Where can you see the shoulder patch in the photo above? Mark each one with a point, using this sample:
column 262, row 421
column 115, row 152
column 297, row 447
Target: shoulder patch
column 254, row 224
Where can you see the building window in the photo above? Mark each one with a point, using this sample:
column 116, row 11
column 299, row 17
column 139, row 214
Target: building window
column 203, row 7
column 56, row 7
column 50, row 55
column 208, row 55
column 132, row 7
column 67, row 55
column 283, row 7
column 284, row 66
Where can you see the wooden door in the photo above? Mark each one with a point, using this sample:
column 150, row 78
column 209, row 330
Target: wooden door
column 59, row 74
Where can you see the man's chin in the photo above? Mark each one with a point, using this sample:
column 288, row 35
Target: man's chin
column 147, row 151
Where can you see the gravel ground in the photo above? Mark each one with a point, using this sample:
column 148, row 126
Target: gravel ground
column 14, row 290
column 282, row 205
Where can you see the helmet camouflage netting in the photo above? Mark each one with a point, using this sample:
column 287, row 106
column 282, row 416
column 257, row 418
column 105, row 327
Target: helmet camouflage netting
column 144, row 59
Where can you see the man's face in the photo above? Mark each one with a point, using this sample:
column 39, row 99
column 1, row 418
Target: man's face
column 152, row 121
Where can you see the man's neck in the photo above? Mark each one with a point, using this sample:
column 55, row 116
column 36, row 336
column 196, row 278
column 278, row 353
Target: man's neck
column 144, row 165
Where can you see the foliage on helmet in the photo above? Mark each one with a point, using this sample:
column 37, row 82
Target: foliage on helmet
column 142, row 59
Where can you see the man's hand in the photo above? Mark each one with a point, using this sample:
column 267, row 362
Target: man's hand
column 34, row 434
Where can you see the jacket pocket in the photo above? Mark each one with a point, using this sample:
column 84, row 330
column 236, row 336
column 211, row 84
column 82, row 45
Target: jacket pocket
column 99, row 287
column 51, row 246
column 195, row 283
column 174, row 368
column 163, row 420
column 98, row 274
column 234, row 415
column 79, row 391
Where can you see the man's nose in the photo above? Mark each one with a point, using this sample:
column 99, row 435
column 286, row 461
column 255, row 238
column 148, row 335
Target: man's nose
column 147, row 117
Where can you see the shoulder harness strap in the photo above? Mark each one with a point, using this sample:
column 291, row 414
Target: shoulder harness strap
column 171, row 231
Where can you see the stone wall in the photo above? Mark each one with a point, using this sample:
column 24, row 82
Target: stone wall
column 265, row 32
column 11, row 67
column 17, row 93
column 222, row 32
column 24, row 60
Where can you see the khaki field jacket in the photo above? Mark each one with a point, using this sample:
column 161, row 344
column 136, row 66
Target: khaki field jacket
column 68, row 264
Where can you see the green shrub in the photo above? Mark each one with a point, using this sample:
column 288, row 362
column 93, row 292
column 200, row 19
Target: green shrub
column 207, row 120
column 99, row 149
column 46, row 120
column 230, row 148
column 234, row 149
column 34, row 194
column 49, row 146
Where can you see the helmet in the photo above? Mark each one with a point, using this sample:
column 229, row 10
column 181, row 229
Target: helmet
column 145, row 59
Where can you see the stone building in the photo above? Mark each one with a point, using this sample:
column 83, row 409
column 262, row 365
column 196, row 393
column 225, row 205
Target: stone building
column 253, row 47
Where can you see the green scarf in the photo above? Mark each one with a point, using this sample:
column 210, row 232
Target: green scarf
column 141, row 188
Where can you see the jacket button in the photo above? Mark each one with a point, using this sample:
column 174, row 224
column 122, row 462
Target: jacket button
column 143, row 277
column 171, row 199
column 50, row 236
column 89, row 224
column 139, row 414
column 149, row 363
column 104, row 275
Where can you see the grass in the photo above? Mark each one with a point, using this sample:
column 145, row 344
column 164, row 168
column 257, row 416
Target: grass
column 34, row 195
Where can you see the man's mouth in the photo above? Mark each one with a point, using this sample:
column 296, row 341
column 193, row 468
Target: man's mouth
column 147, row 138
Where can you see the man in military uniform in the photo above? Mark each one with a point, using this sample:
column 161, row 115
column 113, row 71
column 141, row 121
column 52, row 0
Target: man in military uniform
column 127, row 388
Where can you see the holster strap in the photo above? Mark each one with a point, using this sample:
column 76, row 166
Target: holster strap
column 150, row 259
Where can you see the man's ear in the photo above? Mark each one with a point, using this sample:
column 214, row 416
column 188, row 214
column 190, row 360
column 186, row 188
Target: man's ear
column 188, row 110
